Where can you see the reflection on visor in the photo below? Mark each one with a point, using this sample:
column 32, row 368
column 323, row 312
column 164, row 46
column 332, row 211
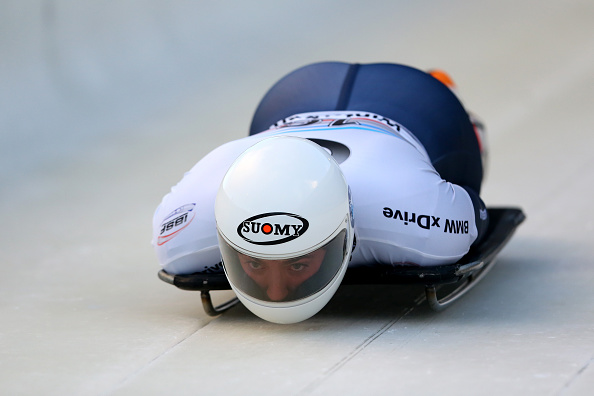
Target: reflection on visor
column 285, row 280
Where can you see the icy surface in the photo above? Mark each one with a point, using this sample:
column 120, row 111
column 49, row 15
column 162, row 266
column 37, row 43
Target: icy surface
column 104, row 105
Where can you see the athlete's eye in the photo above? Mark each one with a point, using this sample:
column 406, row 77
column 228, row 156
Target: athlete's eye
column 298, row 267
column 255, row 265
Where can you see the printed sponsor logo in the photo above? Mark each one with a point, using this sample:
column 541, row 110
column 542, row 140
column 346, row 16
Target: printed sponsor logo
column 351, row 210
column 483, row 214
column 298, row 122
column 175, row 222
column 343, row 121
column 334, row 120
column 272, row 228
column 456, row 226
column 213, row 269
column 375, row 117
column 427, row 221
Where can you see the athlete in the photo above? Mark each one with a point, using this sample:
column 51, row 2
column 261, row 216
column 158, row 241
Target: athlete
column 345, row 165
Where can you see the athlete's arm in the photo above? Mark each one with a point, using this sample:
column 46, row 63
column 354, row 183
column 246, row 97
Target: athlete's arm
column 481, row 217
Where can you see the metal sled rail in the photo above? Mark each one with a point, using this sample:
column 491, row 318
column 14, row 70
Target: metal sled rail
column 481, row 259
column 468, row 271
column 189, row 282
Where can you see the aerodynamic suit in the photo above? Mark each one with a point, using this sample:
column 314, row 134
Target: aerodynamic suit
column 404, row 143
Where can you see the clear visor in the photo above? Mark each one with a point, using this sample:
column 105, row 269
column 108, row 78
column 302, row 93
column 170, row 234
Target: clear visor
column 288, row 279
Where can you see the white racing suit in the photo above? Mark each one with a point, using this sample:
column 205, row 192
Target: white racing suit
column 404, row 211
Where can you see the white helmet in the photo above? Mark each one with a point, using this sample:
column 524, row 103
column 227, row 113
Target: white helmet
column 285, row 226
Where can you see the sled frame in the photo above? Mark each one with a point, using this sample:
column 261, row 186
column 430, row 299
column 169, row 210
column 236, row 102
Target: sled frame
column 463, row 275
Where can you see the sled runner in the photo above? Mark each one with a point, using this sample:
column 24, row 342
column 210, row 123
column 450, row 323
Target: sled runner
column 464, row 274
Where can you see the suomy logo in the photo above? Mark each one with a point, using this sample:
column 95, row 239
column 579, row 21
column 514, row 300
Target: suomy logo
column 272, row 228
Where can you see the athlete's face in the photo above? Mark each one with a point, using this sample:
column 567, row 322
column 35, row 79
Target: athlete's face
column 278, row 278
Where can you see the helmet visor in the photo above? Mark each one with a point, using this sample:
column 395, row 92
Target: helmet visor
column 287, row 279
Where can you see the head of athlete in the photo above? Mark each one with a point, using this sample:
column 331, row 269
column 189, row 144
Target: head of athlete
column 285, row 229
column 280, row 279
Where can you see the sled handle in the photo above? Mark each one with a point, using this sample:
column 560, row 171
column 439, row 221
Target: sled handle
column 203, row 286
column 210, row 309
column 439, row 304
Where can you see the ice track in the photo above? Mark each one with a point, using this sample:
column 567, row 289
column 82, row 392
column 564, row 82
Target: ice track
column 104, row 105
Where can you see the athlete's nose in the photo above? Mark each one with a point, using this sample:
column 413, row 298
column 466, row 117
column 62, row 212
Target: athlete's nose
column 277, row 287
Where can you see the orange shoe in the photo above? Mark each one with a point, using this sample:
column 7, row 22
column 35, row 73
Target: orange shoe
column 443, row 77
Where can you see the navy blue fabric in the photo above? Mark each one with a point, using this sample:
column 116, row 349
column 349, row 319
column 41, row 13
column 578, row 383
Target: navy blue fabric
column 315, row 87
column 409, row 96
column 480, row 214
